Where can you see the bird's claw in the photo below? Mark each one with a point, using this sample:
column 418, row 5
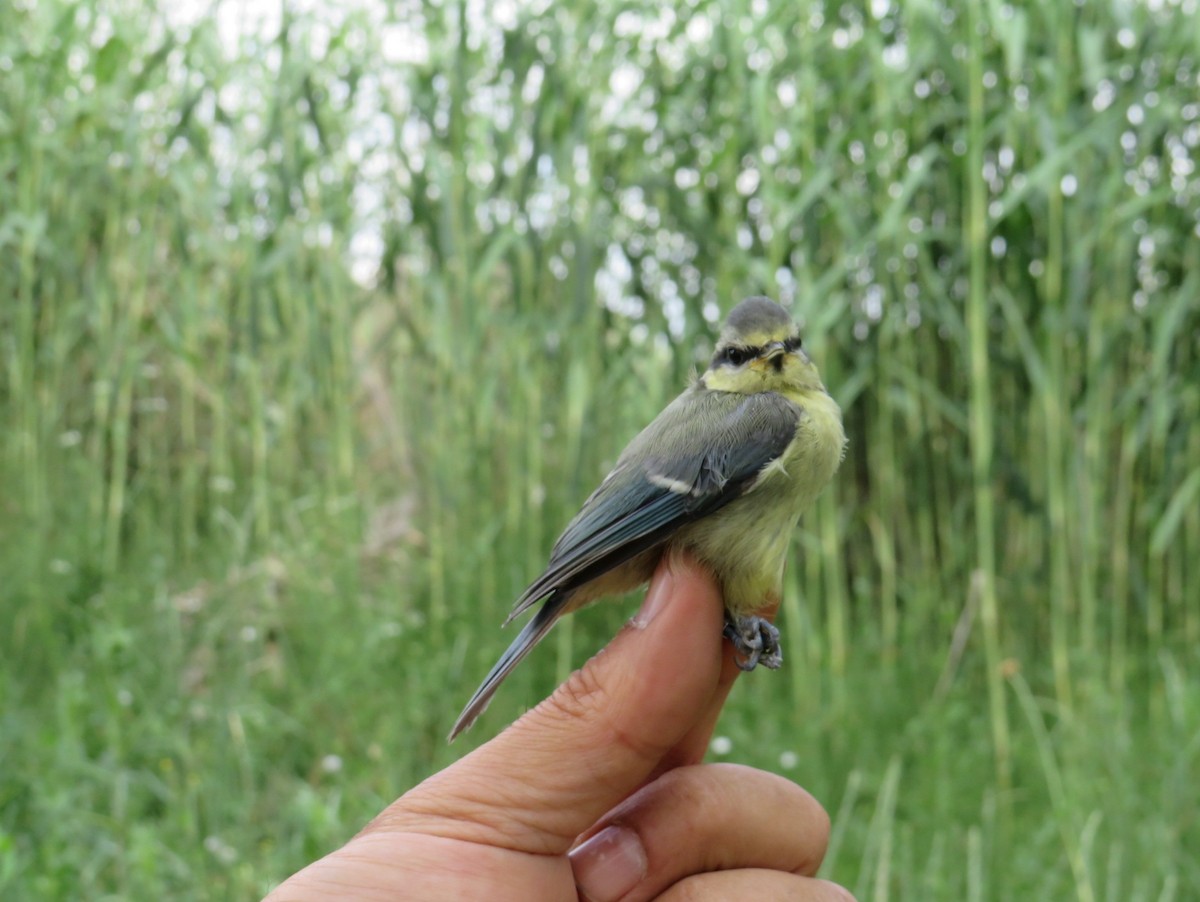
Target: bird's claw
column 755, row 641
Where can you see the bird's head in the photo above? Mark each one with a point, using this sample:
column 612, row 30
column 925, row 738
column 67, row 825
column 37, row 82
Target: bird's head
column 759, row 350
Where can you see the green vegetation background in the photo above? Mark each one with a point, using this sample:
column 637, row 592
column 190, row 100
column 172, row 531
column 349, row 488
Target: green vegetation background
column 259, row 524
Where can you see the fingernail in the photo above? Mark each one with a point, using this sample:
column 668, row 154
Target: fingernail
column 656, row 597
column 609, row 864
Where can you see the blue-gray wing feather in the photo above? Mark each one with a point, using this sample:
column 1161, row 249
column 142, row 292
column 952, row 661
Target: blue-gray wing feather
column 703, row 451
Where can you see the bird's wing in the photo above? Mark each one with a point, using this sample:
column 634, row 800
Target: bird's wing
column 703, row 451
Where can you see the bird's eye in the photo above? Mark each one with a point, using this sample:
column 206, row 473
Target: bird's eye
column 737, row 356
column 793, row 343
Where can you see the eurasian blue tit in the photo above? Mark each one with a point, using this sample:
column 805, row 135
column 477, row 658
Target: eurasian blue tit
column 725, row 471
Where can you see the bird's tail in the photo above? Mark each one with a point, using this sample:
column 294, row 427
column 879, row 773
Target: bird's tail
column 529, row 636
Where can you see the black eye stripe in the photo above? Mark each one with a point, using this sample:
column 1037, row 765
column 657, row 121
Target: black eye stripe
column 737, row 356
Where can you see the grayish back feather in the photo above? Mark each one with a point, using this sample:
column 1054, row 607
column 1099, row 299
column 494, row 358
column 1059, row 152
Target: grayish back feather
column 699, row 454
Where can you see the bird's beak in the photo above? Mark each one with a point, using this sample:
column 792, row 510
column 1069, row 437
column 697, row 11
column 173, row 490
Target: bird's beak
column 774, row 349
column 771, row 357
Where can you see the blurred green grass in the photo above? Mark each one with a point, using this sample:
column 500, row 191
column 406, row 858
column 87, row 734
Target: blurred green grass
column 261, row 519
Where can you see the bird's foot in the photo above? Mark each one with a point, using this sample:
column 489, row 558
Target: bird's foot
column 755, row 641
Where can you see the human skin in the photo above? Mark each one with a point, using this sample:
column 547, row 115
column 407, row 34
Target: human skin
column 599, row 792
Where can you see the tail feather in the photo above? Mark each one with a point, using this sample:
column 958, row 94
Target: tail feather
column 523, row 644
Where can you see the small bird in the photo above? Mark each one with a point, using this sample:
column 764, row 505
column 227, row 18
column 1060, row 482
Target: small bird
column 725, row 471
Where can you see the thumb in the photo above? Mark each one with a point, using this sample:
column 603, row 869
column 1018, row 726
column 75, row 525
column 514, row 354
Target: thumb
column 600, row 736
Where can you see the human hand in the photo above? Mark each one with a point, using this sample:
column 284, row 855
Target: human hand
column 598, row 793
